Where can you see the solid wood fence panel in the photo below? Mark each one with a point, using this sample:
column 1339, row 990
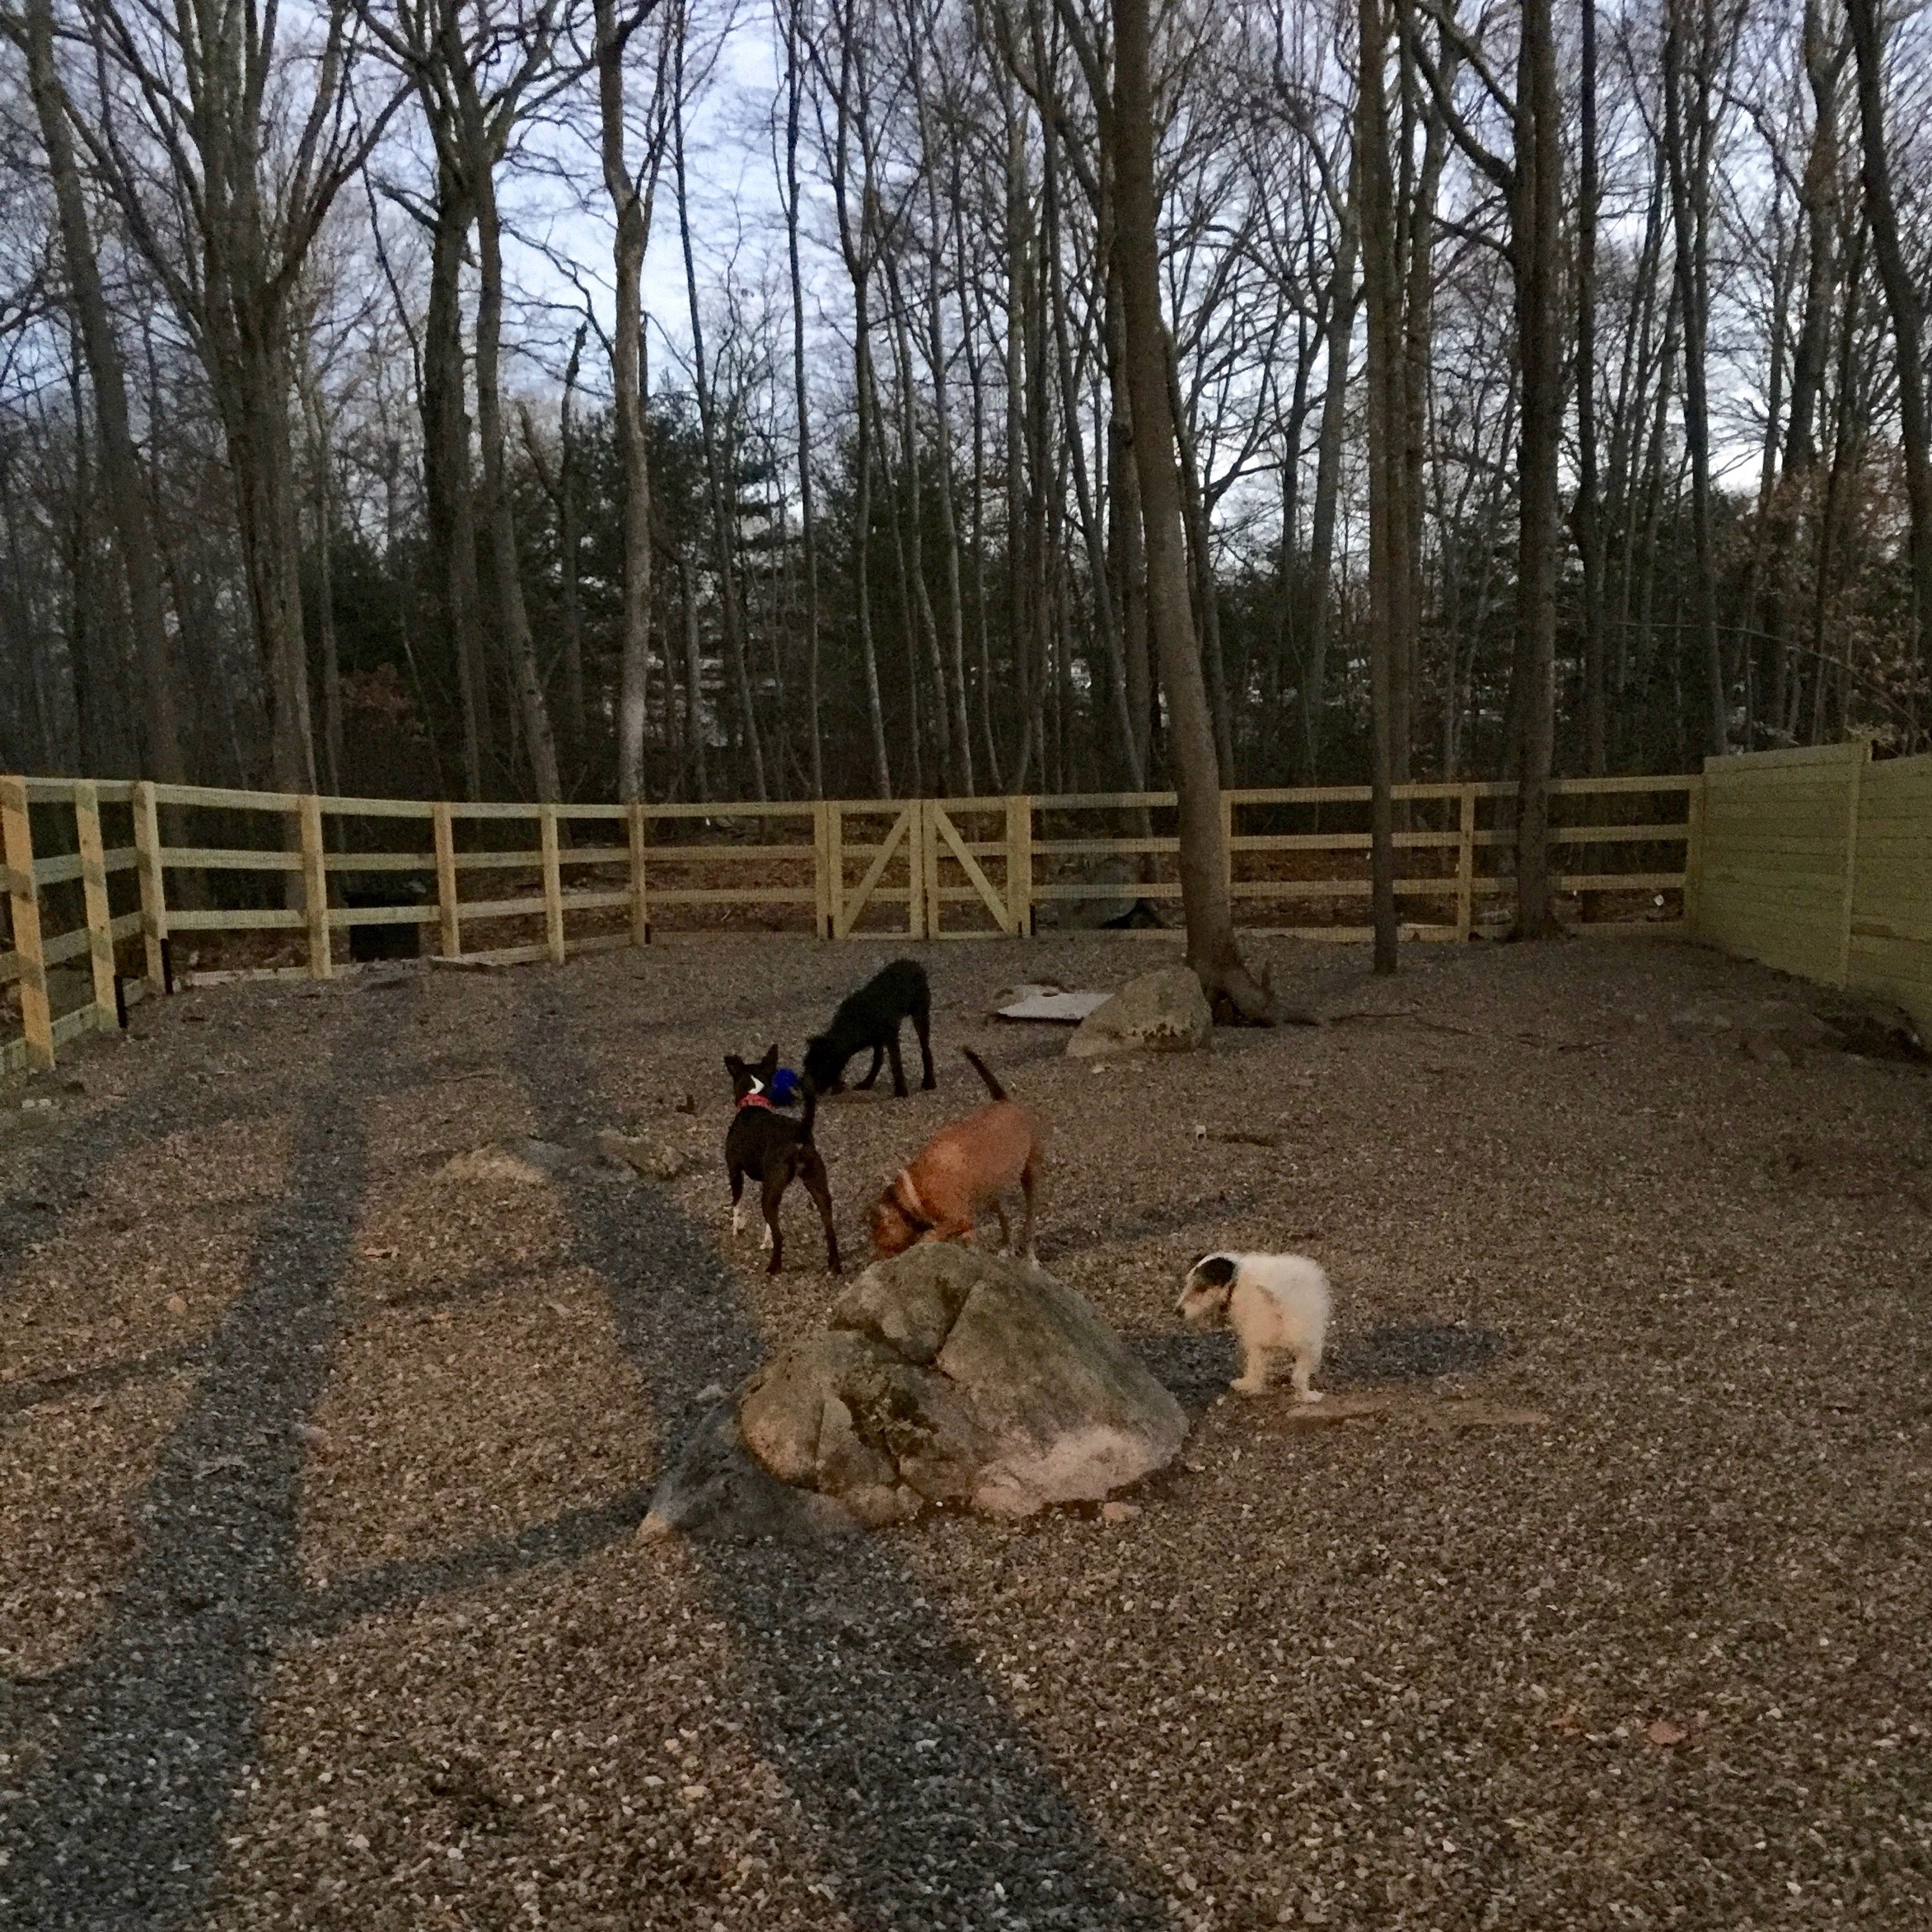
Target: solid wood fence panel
column 1889, row 940
column 1778, row 840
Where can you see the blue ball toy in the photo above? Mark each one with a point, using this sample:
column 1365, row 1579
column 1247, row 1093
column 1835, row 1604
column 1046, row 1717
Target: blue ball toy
column 784, row 1087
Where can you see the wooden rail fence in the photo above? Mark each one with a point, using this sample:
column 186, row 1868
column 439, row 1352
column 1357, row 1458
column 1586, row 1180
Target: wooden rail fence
column 928, row 868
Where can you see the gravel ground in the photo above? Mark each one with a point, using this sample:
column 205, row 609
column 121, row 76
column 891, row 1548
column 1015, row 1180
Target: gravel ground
column 320, row 1603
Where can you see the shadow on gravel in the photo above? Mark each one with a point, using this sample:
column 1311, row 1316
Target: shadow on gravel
column 1414, row 1351
column 924, row 1793
column 117, row 1828
column 1198, row 1368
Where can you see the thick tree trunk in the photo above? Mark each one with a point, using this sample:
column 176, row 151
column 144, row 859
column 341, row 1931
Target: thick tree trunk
column 630, row 202
column 1588, row 516
column 120, row 464
column 449, row 493
column 1687, row 155
column 1211, row 948
column 1387, row 409
column 1328, row 469
column 1904, row 299
column 512, row 615
column 794, row 102
column 1536, row 244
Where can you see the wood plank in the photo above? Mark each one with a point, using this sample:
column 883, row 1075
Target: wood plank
column 1854, row 751
column 228, row 858
column 340, row 917
column 766, row 896
column 379, row 862
column 500, row 909
column 227, row 798
column 94, row 897
column 252, row 918
column 54, row 791
column 498, row 861
column 788, row 808
column 378, row 807
column 699, row 854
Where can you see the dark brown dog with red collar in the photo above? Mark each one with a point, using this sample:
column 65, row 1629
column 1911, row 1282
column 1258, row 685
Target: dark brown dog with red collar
column 773, row 1150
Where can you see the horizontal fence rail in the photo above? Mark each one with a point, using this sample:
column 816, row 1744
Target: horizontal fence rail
column 102, row 879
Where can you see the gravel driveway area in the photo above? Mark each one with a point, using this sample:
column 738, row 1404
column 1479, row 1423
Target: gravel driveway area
column 1602, row 1603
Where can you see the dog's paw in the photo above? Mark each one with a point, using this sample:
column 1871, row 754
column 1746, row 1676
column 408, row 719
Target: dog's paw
column 1246, row 1387
column 737, row 1222
column 1311, row 1395
column 766, row 1242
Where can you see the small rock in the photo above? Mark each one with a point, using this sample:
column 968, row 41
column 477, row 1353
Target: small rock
column 1119, row 1512
column 523, row 1163
column 1164, row 1012
column 177, row 1304
column 656, row 1160
column 317, row 1441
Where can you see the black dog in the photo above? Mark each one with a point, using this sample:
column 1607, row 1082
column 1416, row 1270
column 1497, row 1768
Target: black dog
column 870, row 1017
column 760, row 1142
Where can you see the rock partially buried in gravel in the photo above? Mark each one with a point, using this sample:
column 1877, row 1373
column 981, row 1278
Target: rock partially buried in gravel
column 522, row 1163
column 717, row 1488
column 656, row 1160
column 948, row 1375
column 1159, row 1013
column 1769, row 1030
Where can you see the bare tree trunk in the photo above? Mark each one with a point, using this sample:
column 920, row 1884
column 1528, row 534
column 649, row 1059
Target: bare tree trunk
column 630, row 202
column 322, row 518
column 1328, row 468
column 721, row 487
column 448, row 486
column 512, row 616
column 567, row 544
column 1588, row 519
column 1535, row 248
column 1904, row 300
column 1689, row 163
column 120, row 466
column 794, row 101
column 1387, row 409
column 1128, row 119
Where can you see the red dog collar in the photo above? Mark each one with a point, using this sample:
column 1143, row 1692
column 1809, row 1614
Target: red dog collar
column 763, row 1100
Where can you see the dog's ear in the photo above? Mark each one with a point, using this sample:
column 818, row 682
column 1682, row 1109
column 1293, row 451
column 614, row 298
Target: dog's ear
column 769, row 1065
column 1216, row 1271
column 733, row 1065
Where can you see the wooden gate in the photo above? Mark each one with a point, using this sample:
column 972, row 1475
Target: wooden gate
column 942, row 842
column 843, row 905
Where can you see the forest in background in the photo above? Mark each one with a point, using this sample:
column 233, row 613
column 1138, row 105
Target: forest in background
column 346, row 442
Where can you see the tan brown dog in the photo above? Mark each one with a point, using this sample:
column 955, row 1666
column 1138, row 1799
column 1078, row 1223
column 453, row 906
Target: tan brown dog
column 963, row 1168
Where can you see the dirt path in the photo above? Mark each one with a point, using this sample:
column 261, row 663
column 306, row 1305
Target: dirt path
column 320, row 1603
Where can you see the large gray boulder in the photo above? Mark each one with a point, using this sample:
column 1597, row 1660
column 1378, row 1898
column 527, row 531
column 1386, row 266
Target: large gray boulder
column 1159, row 1013
column 949, row 1375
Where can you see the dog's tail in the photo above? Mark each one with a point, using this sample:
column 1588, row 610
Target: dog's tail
column 811, row 1110
column 980, row 1066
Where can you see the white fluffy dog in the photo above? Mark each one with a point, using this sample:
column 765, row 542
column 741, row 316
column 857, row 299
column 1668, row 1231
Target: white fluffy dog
column 1276, row 1305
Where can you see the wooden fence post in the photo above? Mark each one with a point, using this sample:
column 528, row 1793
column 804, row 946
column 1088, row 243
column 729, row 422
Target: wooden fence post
column 315, row 889
column 16, row 845
column 94, row 893
column 448, row 906
column 1465, row 864
column 915, row 869
column 640, row 904
column 834, row 868
column 1854, row 785
column 553, row 885
column 1694, row 856
column 153, row 881
column 1227, row 846
column 1019, row 866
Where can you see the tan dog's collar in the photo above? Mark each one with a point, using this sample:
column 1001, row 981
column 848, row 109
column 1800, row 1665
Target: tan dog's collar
column 906, row 1195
